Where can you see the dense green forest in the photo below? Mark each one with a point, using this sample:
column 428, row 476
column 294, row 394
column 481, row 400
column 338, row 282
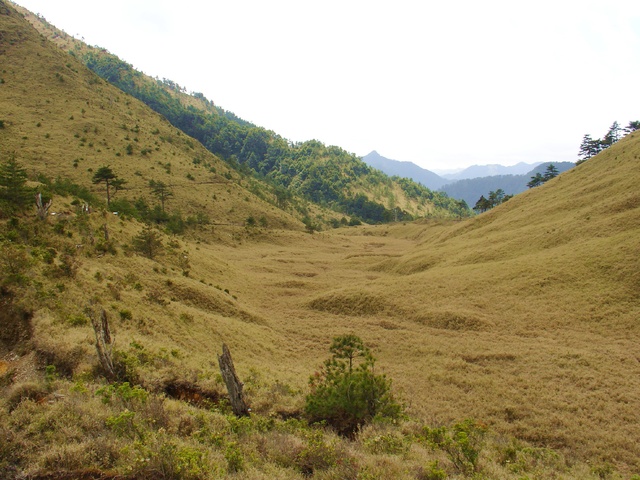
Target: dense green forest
column 326, row 175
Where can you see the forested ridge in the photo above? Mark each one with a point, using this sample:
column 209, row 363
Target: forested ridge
column 327, row 175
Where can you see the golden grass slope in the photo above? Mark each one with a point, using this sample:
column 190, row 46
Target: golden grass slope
column 525, row 317
column 528, row 316
column 62, row 120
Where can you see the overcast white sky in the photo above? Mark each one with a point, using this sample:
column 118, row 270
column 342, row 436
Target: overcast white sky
column 443, row 84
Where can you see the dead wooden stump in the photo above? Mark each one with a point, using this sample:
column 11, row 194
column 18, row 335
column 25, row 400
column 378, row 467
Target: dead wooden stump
column 104, row 345
column 42, row 209
column 233, row 383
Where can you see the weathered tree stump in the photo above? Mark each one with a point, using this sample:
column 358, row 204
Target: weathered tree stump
column 103, row 342
column 233, row 383
column 42, row 209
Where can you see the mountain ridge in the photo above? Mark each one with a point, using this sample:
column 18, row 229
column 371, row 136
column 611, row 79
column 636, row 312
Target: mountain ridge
column 404, row 169
column 347, row 185
column 490, row 170
column 432, row 179
column 458, row 186
column 471, row 189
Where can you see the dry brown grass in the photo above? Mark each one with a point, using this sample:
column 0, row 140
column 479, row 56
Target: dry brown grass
column 63, row 120
column 524, row 318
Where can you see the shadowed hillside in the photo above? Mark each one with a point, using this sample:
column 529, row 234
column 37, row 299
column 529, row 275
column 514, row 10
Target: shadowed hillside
column 524, row 318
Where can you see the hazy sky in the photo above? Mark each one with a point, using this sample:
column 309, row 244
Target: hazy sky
column 443, row 84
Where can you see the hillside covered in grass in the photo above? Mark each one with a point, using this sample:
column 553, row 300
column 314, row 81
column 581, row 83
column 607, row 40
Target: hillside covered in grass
column 510, row 338
column 326, row 175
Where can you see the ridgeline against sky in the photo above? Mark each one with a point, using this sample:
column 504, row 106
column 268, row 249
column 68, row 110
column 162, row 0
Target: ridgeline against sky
column 442, row 85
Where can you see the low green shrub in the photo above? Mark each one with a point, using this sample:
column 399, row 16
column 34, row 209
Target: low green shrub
column 462, row 443
column 77, row 320
column 233, row 456
column 431, row 472
column 386, row 443
column 346, row 393
column 124, row 393
column 316, row 455
column 123, row 424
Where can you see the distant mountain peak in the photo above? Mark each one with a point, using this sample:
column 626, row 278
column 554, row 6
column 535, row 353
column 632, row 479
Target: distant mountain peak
column 405, row 169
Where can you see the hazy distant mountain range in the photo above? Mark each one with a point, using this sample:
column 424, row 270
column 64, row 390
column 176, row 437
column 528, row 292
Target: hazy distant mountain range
column 470, row 189
column 405, row 169
column 470, row 183
column 475, row 171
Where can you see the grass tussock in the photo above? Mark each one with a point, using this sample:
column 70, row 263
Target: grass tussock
column 351, row 304
column 453, row 320
column 212, row 301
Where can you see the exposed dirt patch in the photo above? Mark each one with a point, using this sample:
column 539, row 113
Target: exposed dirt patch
column 15, row 322
column 489, row 358
column 192, row 394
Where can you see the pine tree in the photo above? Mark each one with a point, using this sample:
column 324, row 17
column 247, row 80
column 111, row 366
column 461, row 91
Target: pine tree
column 496, row 198
column 550, row 173
column 347, row 393
column 161, row 191
column 482, row 205
column 13, row 180
column 632, row 127
column 612, row 136
column 589, row 147
column 536, row 181
column 148, row 242
column 106, row 175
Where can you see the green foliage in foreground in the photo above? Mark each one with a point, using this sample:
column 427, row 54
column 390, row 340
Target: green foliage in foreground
column 462, row 443
column 346, row 393
column 124, row 431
